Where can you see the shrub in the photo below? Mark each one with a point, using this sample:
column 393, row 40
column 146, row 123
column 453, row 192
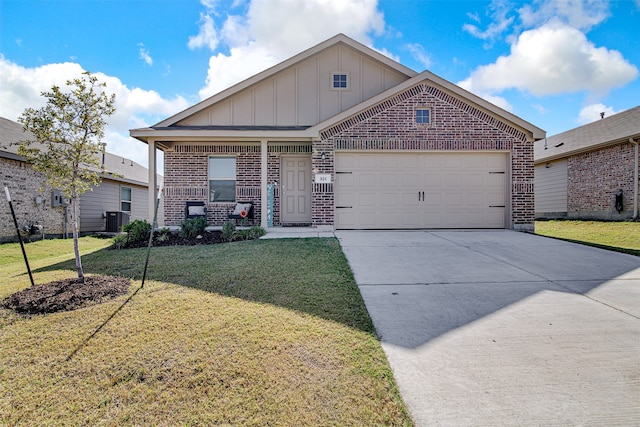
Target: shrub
column 137, row 231
column 120, row 242
column 256, row 232
column 192, row 227
column 228, row 230
column 162, row 235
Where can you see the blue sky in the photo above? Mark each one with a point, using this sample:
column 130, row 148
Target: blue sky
column 555, row 63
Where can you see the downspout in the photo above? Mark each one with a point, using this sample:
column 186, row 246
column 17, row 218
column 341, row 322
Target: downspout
column 635, row 179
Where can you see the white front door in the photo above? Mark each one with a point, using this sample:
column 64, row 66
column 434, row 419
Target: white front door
column 295, row 197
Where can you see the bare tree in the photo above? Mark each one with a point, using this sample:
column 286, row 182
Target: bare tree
column 68, row 134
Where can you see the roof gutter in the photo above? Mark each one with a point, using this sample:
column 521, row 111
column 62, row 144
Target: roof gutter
column 635, row 179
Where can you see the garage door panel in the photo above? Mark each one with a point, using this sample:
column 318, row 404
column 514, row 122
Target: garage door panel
column 431, row 180
column 410, row 180
column 366, row 180
column 367, row 200
column 453, row 180
column 475, row 199
column 389, row 180
column 421, row 190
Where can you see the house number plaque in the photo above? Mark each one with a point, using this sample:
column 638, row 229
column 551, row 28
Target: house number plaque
column 323, row 178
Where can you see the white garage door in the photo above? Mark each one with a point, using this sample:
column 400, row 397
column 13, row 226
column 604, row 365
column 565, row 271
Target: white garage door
column 420, row 190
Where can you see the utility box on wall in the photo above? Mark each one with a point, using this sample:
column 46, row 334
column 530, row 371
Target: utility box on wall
column 57, row 199
column 115, row 221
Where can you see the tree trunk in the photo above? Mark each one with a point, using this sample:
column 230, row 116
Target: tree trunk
column 75, row 224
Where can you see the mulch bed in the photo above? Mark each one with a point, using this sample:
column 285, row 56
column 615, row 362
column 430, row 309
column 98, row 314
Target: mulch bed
column 66, row 295
column 70, row 294
column 174, row 239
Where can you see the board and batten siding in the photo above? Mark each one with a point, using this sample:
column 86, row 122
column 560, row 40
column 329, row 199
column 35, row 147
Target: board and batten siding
column 106, row 198
column 550, row 183
column 302, row 95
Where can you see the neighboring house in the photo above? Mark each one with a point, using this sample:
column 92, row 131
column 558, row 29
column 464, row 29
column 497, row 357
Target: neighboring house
column 30, row 195
column 123, row 189
column 583, row 172
column 347, row 138
column 121, row 197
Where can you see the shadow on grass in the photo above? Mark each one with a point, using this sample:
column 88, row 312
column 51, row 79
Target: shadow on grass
column 310, row 276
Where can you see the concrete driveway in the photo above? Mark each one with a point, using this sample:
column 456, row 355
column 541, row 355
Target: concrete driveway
column 494, row 328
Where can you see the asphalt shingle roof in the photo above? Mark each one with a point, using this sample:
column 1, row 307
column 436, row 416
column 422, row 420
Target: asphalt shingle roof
column 607, row 131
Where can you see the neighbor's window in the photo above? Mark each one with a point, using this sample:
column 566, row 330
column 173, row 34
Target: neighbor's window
column 423, row 116
column 222, row 179
column 339, row 81
column 125, row 199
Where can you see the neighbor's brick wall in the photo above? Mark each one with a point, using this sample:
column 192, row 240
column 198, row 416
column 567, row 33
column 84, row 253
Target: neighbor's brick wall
column 454, row 126
column 24, row 185
column 593, row 180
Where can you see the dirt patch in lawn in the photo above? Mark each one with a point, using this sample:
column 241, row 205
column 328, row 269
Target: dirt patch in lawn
column 67, row 294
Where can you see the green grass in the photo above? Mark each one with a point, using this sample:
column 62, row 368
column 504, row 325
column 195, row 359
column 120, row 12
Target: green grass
column 616, row 236
column 265, row 332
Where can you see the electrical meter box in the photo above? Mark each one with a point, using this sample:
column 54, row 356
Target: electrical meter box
column 57, row 199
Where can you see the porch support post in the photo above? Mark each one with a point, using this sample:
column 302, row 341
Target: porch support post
column 153, row 182
column 263, row 183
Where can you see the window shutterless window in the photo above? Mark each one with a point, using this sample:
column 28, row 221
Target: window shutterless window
column 423, row 116
column 222, row 179
column 125, row 199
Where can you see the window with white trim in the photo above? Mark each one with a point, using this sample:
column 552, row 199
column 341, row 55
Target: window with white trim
column 423, row 116
column 339, row 81
column 125, row 199
column 222, row 179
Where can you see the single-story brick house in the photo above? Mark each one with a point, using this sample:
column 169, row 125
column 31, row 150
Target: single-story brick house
column 583, row 172
column 343, row 137
column 123, row 189
column 121, row 197
column 28, row 189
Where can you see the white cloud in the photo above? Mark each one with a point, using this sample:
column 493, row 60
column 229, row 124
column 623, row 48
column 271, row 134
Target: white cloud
column 419, row 54
column 593, row 112
column 21, row 88
column 553, row 59
column 580, row 14
column 501, row 21
column 272, row 30
column 144, row 54
column 207, row 37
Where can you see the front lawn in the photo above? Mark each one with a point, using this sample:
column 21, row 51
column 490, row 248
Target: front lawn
column 617, row 236
column 265, row 332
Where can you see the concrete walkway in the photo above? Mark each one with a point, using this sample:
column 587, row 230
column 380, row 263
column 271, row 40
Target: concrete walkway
column 496, row 328
column 297, row 232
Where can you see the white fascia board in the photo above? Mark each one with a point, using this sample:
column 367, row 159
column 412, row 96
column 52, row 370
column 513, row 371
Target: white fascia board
column 177, row 134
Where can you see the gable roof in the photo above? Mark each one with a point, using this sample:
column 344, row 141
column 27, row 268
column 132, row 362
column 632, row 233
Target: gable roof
column 615, row 129
column 167, row 129
column 340, row 38
column 535, row 132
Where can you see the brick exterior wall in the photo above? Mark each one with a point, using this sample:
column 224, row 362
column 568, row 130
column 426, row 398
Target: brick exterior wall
column 594, row 179
column 186, row 178
column 24, row 185
column 454, row 125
